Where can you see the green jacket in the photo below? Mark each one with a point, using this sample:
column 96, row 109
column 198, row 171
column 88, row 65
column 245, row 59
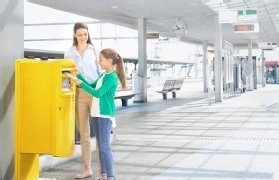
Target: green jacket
column 105, row 93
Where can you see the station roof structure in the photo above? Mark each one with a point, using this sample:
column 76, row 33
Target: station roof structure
column 161, row 15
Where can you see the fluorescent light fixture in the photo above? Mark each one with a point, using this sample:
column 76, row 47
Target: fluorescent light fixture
column 114, row 7
column 193, row 4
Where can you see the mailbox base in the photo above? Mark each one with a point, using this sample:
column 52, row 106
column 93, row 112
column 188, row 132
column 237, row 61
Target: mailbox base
column 27, row 166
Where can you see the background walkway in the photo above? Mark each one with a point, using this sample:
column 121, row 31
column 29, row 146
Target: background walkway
column 184, row 138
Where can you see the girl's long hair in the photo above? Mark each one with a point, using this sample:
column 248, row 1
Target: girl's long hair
column 80, row 25
column 118, row 61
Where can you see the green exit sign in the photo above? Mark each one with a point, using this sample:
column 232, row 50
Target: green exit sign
column 247, row 15
column 247, row 12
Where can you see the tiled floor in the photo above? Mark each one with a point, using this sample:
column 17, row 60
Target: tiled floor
column 187, row 139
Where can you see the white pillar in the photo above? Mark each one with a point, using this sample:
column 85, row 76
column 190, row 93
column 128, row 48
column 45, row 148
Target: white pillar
column 205, row 67
column 196, row 65
column 142, row 62
column 11, row 48
column 263, row 70
column 250, row 79
column 218, row 75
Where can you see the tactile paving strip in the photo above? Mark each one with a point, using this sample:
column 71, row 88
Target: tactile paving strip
column 194, row 139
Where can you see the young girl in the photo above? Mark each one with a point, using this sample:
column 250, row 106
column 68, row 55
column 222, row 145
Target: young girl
column 103, row 107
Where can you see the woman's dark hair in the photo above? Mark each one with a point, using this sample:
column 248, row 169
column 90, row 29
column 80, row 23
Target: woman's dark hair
column 80, row 25
column 118, row 61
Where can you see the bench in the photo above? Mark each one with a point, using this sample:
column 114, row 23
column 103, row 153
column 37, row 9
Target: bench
column 177, row 86
column 124, row 96
column 171, row 86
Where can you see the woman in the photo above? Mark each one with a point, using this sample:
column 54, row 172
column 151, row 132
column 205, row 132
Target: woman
column 85, row 56
column 103, row 107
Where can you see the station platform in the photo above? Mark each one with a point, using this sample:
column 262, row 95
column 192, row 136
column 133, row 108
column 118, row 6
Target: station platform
column 187, row 139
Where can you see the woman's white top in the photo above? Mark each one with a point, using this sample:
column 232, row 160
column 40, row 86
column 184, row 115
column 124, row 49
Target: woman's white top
column 87, row 64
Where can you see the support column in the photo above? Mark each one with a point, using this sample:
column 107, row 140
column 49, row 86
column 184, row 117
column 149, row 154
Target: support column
column 205, row 67
column 11, row 48
column 250, row 80
column 196, row 65
column 263, row 70
column 218, row 75
column 141, row 80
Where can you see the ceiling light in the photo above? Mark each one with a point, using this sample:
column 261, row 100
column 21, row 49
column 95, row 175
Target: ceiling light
column 252, row 1
column 114, row 7
column 193, row 4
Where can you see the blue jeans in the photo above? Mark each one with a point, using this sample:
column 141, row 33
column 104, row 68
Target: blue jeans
column 102, row 128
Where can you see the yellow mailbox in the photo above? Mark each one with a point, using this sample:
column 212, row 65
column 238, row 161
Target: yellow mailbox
column 44, row 113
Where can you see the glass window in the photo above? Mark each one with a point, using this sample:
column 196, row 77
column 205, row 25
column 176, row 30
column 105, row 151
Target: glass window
column 97, row 43
column 125, row 32
column 127, row 47
column 108, row 30
column 108, row 43
column 49, row 45
column 57, row 31
column 94, row 30
column 48, row 32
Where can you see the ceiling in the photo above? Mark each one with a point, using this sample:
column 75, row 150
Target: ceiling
column 162, row 14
